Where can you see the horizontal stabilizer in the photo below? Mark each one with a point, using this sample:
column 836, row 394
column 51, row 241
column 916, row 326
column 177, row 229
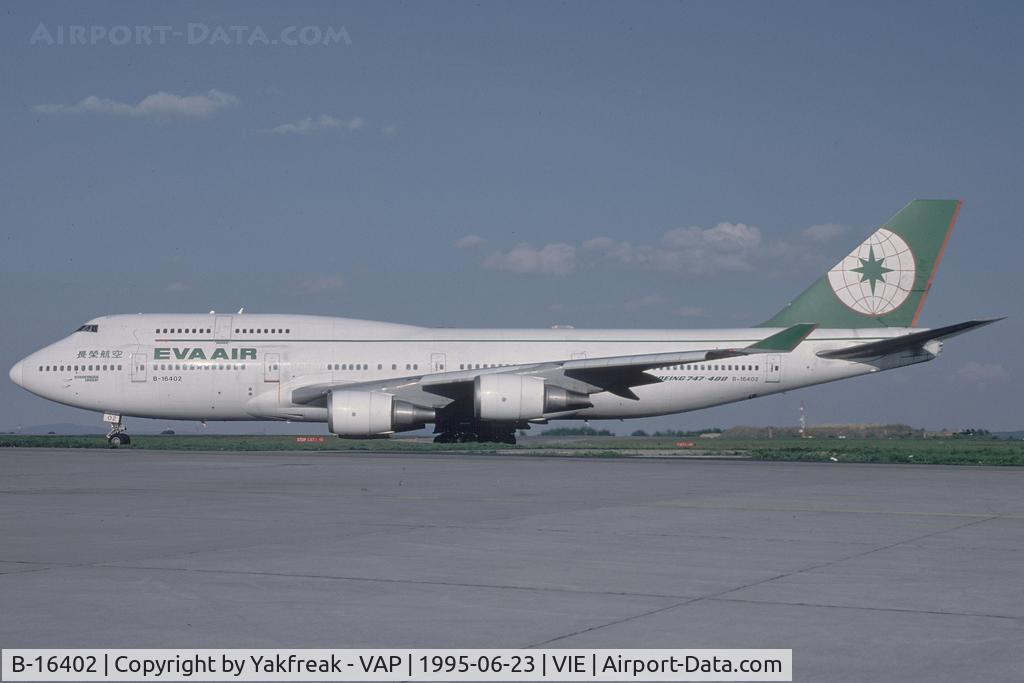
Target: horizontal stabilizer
column 785, row 341
column 907, row 341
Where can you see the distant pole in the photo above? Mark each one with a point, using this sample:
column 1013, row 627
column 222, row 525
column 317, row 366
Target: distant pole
column 803, row 420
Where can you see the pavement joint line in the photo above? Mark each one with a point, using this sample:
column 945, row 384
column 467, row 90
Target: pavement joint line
column 905, row 610
column 852, row 511
column 822, row 565
column 368, row 579
column 119, row 563
column 614, row 622
column 682, row 536
column 719, row 596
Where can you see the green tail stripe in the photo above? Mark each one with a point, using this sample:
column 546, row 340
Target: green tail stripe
column 883, row 288
column 785, row 341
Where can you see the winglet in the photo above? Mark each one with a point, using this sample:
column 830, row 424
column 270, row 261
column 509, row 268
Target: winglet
column 784, row 341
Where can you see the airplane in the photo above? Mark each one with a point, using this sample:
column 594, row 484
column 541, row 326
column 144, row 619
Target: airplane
column 368, row 379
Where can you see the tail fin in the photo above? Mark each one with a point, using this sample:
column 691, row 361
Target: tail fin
column 885, row 280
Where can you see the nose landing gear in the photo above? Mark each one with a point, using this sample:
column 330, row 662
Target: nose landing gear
column 118, row 434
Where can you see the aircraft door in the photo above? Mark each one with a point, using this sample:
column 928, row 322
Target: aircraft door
column 437, row 362
column 773, row 368
column 272, row 367
column 139, row 370
column 222, row 329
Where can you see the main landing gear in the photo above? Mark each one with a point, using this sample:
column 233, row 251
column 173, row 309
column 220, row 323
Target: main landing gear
column 118, row 434
column 476, row 433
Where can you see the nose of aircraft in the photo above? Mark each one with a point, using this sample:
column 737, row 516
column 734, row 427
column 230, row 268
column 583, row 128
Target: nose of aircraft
column 16, row 372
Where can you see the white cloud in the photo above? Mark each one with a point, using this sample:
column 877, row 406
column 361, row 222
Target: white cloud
column 688, row 311
column 824, row 232
column 695, row 250
column 161, row 105
column 722, row 237
column 554, row 259
column 470, row 242
column 322, row 122
column 646, row 301
column 983, row 373
column 315, row 284
column 723, row 248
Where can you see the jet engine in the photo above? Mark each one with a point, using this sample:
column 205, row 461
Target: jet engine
column 520, row 397
column 373, row 413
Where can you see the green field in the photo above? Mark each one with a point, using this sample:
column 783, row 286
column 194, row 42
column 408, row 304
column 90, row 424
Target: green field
column 951, row 451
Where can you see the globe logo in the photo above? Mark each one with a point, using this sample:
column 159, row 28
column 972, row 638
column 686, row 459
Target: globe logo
column 876, row 277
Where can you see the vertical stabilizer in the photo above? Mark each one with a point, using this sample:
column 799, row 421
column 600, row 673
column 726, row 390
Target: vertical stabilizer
column 885, row 280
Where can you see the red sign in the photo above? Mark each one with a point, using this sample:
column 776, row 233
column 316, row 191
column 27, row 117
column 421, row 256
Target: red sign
column 684, row 444
column 309, row 439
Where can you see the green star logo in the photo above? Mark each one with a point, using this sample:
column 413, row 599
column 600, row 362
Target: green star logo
column 872, row 269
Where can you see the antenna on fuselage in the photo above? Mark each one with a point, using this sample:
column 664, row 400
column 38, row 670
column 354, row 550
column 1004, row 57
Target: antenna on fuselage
column 241, row 310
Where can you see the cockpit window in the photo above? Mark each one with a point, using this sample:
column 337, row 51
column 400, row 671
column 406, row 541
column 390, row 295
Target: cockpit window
column 88, row 328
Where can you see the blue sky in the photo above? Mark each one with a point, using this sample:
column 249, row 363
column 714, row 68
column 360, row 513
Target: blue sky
column 568, row 141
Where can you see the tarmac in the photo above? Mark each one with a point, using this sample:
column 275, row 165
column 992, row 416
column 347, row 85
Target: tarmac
column 868, row 572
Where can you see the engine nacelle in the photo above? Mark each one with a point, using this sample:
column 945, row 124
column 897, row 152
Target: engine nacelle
column 373, row 413
column 511, row 398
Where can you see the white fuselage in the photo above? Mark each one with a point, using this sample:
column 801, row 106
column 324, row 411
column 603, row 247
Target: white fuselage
column 245, row 367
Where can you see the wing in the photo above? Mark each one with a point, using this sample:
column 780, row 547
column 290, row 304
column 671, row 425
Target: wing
column 615, row 374
column 907, row 342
